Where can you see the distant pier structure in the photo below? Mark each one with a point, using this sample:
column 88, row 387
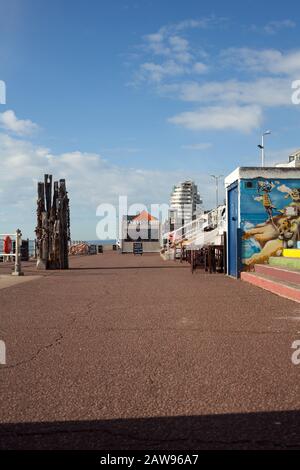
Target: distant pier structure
column 53, row 224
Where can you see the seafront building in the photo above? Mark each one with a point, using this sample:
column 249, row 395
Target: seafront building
column 184, row 211
column 214, row 217
column 185, row 203
column 293, row 162
column 142, row 227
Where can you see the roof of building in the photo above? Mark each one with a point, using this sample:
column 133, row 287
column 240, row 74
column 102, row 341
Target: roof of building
column 141, row 217
column 296, row 152
column 262, row 172
column 144, row 215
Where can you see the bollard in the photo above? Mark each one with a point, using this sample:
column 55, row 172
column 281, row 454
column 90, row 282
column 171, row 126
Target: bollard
column 18, row 268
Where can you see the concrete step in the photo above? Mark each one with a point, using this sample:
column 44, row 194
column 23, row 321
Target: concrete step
column 283, row 274
column 282, row 288
column 285, row 262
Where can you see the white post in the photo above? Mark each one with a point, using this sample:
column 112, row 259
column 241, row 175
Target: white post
column 262, row 151
column 18, row 267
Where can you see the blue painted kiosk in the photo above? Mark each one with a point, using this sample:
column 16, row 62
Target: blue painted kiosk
column 263, row 215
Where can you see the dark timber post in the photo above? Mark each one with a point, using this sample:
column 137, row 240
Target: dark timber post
column 53, row 225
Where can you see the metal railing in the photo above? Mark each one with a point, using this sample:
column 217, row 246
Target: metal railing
column 197, row 231
column 186, row 232
column 17, row 254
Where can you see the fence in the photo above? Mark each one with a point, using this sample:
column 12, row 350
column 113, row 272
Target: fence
column 16, row 254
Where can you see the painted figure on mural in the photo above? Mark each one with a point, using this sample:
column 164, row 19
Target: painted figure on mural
column 268, row 237
column 264, row 188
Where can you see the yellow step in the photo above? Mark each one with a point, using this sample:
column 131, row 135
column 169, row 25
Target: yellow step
column 291, row 253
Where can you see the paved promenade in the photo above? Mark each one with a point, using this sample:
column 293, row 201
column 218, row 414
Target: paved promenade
column 124, row 352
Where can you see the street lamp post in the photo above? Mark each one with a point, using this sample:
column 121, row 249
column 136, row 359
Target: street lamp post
column 262, row 147
column 216, row 178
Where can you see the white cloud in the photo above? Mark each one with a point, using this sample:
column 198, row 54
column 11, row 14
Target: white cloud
column 173, row 67
column 200, row 67
column 275, row 26
column 156, row 72
column 121, row 150
column 178, row 43
column 169, row 54
column 155, row 37
column 240, row 118
column 185, row 25
column 179, row 65
column 91, row 180
column 2, row 92
column 211, row 21
column 10, row 122
column 264, row 91
column 201, row 146
column 155, row 43
column 266, row 60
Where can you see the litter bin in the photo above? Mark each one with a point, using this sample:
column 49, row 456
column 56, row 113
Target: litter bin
column 92, row 250
column 24, row 249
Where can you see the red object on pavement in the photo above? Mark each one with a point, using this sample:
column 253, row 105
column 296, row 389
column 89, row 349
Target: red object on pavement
column 7, row 246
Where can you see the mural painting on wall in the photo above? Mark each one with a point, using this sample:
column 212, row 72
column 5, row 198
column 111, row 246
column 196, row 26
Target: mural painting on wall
column 270, row 218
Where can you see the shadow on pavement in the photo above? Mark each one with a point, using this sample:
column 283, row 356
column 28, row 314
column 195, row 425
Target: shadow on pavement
column 263, row 430
column 129, row 267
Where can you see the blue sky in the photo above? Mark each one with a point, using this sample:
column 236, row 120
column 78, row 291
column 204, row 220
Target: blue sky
column 129, row 97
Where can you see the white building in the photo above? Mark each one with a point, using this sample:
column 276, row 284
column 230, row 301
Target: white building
column 215, row 218
column 141, row 227
column 294, row 161
column 185, row 201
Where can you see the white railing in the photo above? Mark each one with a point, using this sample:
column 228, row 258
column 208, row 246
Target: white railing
column 17, row 254
column 188, row 231
column 193, row 232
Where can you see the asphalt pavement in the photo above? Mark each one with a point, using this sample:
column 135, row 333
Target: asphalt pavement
column 132, row 352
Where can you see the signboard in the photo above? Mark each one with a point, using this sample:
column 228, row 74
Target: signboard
column 137, row 248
